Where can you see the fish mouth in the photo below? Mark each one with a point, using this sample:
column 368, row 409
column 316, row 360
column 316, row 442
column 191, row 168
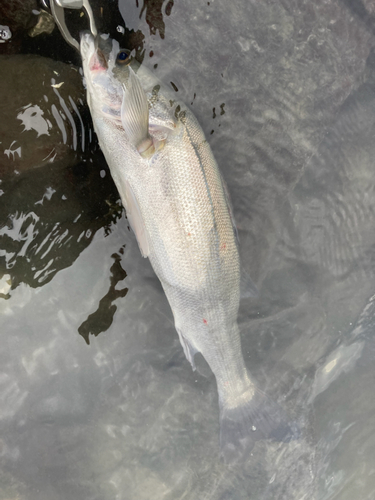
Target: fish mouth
column 92, row 55
column 98, row 61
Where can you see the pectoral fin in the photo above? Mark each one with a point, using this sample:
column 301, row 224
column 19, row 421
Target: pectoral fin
column 134, row 116
column 134, row 215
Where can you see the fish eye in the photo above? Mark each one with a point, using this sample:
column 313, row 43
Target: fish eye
column 123, row 57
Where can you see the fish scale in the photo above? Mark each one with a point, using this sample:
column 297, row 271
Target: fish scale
column 176, row 203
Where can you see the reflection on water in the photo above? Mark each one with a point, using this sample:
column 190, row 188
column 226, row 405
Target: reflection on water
column 125, row 417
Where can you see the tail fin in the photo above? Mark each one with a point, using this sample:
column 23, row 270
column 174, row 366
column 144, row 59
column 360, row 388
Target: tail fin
column 256, row 417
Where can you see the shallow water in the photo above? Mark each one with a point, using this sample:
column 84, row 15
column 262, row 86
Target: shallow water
column 285, row 94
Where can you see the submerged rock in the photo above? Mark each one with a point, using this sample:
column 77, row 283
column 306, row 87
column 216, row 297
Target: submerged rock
column 55, row 190
column 18, row 16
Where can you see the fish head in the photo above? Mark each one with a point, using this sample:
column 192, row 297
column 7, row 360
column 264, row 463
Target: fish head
column 106, row 71
column 120, row 92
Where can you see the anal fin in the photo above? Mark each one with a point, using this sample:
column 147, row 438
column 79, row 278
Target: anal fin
column 189, row 350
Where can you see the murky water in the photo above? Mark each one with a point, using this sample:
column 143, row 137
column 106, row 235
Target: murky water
column 285, row 92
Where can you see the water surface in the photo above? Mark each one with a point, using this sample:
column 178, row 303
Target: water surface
column 97, row 399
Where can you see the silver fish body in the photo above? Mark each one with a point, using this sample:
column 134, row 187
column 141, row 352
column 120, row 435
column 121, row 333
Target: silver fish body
column 177, row 205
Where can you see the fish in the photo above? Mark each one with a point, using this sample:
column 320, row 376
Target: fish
column 177, row 205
